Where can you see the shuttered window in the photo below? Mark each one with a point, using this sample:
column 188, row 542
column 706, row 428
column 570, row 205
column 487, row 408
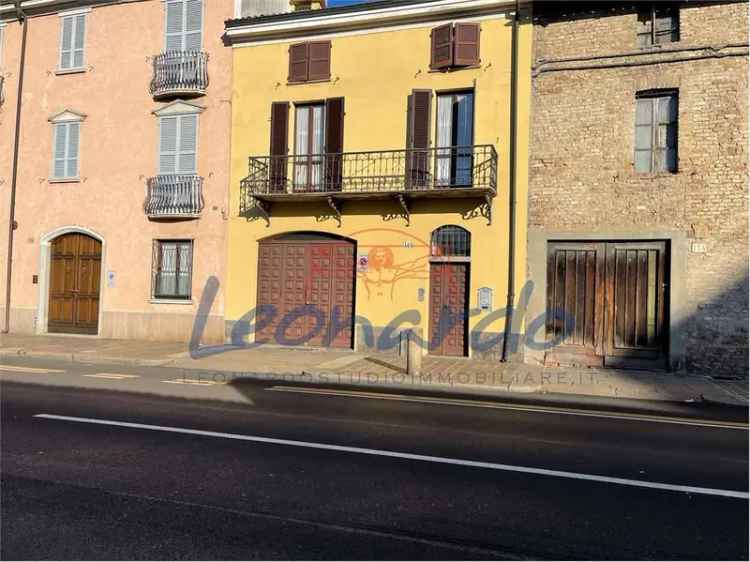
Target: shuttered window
column 66, row 151
column 418, row 139
column 178, row 144
column 310, row 61
column 455, row 46
column 658, row 23
column 184, row 25
column 72, row 40
column 172, row 269
column 656, row 132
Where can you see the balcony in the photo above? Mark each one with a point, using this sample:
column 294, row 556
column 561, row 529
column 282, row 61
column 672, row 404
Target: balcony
column 180, row 73
column 174, row 197
column 401, row 175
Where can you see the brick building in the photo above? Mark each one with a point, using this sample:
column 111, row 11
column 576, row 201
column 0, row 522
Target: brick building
column 638, row 215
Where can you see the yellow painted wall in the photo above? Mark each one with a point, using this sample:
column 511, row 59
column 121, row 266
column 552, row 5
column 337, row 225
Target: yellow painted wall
column 375, row 72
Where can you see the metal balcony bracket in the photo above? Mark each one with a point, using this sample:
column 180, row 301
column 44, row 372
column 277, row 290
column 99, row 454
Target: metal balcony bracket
column 264, row 209
column 404, row 202
column 488, row 208
column 337, row 206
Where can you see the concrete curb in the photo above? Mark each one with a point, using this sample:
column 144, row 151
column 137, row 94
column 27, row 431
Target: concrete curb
column 85, row 359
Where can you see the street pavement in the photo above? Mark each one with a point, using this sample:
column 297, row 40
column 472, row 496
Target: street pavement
column 295, row 472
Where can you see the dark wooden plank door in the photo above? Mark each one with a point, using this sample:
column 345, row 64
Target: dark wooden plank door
column 75, row 276
column 448, row 308
column 305, row 286
column 636, row 304
column 575, row 303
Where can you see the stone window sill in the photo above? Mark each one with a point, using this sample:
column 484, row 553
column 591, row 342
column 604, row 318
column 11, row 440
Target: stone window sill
column 63, row 72
column 170, row 301
column 64, row 180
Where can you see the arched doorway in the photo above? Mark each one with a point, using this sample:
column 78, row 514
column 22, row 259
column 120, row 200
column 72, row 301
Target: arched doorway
column 74, row 284
column 450, row 258
column 306, row 290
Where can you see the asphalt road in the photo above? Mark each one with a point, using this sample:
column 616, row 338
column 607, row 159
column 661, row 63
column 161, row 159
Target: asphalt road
column 295, row 475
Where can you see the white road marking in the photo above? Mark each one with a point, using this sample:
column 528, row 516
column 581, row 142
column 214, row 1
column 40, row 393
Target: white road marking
column 30, row 370
column 503, row 406
column 112, row 376
column 411, row 456
column 194, row 382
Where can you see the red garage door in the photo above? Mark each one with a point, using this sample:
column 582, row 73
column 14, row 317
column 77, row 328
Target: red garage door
column 306, row 290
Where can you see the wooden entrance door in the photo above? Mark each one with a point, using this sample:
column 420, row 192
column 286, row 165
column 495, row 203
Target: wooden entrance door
column 75, row 275
column 636, row 315
column 448, row 308
column 306, row 287
column 606, row 304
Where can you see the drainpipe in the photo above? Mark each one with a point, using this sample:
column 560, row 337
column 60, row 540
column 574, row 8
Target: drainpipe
column 512, row 190
column 14, row 182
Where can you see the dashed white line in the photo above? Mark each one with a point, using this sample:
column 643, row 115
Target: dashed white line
column 414, row 457
column 30, row 370
column 112, row 376
column 194, row 382
column 503, row 406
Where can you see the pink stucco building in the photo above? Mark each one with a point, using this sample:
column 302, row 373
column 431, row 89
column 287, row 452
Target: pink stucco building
column 122, row 165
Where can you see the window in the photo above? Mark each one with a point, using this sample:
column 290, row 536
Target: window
column 454, row 46
column 455, row 137
column 178, row 144
column 450, row 241
column 310, row 62
column 658, row 23
column 308, row 147
column 66, row 151
column 656, row 132
column 2, row 43
column 184, row 25
column 172, row 269
column 72, row 37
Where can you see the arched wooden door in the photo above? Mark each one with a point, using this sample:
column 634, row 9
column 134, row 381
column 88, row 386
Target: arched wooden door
column 75, row 273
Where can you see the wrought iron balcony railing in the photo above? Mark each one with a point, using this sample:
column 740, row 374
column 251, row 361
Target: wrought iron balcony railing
column 459, row 171
column 180, row 73
column 174, row 196
column 382, row 171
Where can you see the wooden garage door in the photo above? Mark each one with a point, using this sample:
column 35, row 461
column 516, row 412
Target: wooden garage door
column 75, row 273
column 606, row 303
column 448, row 314
column 307, row 288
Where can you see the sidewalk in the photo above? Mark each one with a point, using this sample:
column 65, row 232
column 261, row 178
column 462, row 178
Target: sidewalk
column 457, row 375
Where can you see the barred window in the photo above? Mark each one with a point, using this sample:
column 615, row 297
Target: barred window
column 172, row 269
column 450, row 241
column 658, row 23
column 656, row 132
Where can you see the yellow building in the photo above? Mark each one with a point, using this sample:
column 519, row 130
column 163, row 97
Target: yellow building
column 371, row 180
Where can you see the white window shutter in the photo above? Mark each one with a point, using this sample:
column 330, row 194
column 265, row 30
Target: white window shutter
column 66, row 44
column 188, row 144
column 78, row 40
column 193, row 25
column 175, row 25
column 74, row 131
column 168, row 145
column 58, row 168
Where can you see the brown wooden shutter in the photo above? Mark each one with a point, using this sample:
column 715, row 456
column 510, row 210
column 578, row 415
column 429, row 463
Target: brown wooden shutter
column 442, row 47
column 466, row 44
column 298, row 62
column 279, row 145
column 320, row 60
column 418, row 139
column 334, row 142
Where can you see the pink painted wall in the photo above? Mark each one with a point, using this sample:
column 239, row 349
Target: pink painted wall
column 119, row 151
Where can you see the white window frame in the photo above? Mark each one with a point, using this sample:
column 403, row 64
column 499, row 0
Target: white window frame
column 173, row 299
column 184, row 5
column 66, row 118
column 74, row 14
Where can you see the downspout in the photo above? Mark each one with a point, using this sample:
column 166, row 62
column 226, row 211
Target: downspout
column 14, row 182
column 512, row 188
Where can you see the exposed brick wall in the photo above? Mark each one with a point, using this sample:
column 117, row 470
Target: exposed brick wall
column 582, row 176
